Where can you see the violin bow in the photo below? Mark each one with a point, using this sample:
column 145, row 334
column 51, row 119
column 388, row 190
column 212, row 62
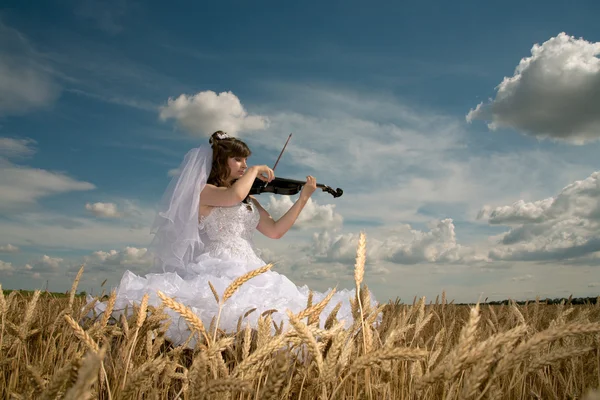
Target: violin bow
column 282, row 150
column 284, row 146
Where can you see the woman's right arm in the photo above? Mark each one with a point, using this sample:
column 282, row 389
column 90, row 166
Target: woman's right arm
column 224, row 197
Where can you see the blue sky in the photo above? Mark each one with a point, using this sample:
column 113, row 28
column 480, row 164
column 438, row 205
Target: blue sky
column 382, row 99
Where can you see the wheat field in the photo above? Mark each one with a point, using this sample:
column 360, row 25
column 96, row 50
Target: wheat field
column 423, row 350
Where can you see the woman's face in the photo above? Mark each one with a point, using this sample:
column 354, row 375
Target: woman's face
column 237, row 167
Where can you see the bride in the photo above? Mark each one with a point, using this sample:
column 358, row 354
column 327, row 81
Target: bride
column 203, row 233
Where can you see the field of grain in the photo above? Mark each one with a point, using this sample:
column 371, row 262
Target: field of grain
column 423, row 350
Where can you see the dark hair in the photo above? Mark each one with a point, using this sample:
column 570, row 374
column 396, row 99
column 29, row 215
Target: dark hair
column 224, row 147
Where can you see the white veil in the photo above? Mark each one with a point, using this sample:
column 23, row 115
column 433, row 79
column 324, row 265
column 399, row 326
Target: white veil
column 177, row 238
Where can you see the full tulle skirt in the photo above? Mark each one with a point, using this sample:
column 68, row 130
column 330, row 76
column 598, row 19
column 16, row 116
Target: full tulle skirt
column 265, row 292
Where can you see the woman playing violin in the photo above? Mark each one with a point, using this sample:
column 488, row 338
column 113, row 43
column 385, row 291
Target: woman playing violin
column 204, row 236
column 231, row 179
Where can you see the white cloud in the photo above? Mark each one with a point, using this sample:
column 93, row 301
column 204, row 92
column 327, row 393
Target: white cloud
column 106, row 210
column 22, row 186
column 579, row 199
column 402, row 245
column 553, row 94
column 173, row 172
column 99, row 265
column 521, row 278
column 206, row 112
column 45, row 265
column 565, row 226
column 25, row 82
column 344, row 146
column 6, row 267
column 56, row 230
column 313, row 215
column 16, row 148
column 128, row 257
column 9, row 248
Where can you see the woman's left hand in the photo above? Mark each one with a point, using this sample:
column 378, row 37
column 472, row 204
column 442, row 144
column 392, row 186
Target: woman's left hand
column 309, row 187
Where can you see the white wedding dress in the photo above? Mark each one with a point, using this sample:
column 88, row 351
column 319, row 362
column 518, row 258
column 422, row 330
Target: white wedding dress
column 228, row 254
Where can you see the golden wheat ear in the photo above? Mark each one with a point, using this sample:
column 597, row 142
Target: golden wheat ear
column 238, row 282
column 188, row 315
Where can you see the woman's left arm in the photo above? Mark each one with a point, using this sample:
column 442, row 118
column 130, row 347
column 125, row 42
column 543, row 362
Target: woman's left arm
column 276, row 229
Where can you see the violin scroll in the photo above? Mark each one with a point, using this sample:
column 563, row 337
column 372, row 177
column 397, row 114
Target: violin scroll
column 335, row 193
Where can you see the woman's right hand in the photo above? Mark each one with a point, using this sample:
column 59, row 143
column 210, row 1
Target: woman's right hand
column 264, row 173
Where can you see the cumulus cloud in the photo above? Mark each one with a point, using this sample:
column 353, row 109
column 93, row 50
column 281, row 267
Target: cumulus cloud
column 25, row 82
column 6, row 267
column 106, row 210
column 403, row 245
column 111, row 264
column 44, row 265
column 313, row 215
column 553, row 94
column 129, row 256
column 105, row 264
column 206, row 112
column 566, row 226
column 9, row 248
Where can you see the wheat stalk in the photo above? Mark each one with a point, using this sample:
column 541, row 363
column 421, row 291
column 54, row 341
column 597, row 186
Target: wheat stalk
column 256, row 358
column 74, row 287
column 227, row 385
column 307, row 338
column 314, row 311
column 540, row 339
column 214, row 291
column 361, row 254
column 238, row 282
column 190, row 317
column 82, row 334
column 144, row 372
column 109, row 308
column 234, row 286
column 141, row 316
column 198, row 376
column 89, row 342
column 533, row 351
column 86, row 376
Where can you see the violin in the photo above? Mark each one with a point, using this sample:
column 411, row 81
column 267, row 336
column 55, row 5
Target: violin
column 286, row 186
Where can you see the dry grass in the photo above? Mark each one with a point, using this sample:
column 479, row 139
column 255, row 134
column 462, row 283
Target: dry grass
column 417, row 351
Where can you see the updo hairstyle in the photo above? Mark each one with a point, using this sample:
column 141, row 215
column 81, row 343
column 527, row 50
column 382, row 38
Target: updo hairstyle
column 224, row 147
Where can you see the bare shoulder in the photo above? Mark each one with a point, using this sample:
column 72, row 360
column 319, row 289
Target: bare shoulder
column 218, row 196
column 209, row 187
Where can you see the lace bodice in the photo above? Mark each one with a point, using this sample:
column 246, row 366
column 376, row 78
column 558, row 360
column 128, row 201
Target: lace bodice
column 228, row 231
